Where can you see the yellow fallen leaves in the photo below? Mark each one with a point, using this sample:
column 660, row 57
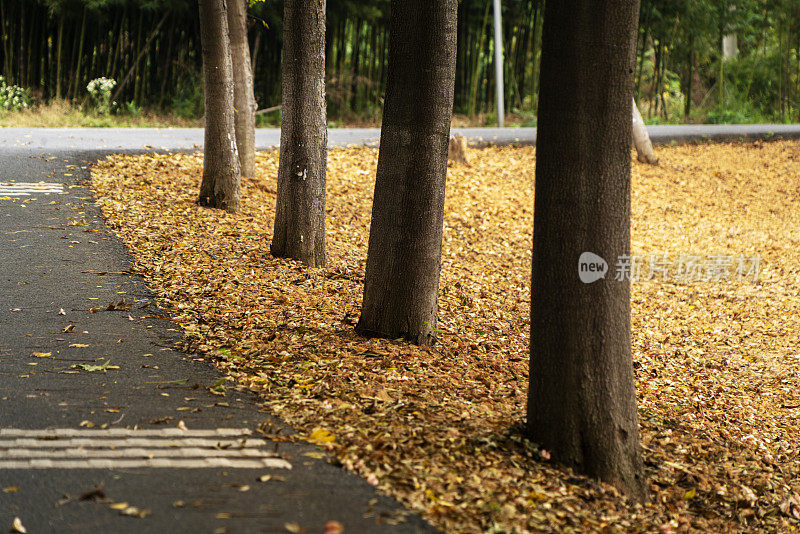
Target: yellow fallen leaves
column 717, row 366
column 320, row 436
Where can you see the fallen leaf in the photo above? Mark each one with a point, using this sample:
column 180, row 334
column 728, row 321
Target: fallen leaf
column 791, row 506
column 293, row 527
column 267, row 478
column 41, row 354
column 92, row 368
column 16, row 526
column 333, row 527
column 321, row 437
column 10, row 489
column 133, row 511
column 93, row 494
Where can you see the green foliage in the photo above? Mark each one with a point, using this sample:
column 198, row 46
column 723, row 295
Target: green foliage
column 132, row 109
column 680, row 72
column 680, row 57
column 189, row 102
column 13, row 97
column 100, row 92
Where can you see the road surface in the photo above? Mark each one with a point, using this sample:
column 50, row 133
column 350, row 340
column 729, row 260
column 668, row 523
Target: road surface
column 135, row 139
column 93, row 400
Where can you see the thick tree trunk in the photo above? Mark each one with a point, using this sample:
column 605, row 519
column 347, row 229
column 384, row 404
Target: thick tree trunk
column 405, row 242
column 221, row 175
column 581, row 404
column 300, row 212
column 243, row 99
column 641, row 139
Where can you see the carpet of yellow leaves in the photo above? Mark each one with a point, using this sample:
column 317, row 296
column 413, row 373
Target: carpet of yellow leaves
column 717, row 363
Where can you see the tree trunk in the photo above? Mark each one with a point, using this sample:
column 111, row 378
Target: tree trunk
column 221, row 175
column 59, row 53
column 641, row 139
column 300, row 212
column 243, row 99
column 582, row 404
column 76, row 90
column 401, row 285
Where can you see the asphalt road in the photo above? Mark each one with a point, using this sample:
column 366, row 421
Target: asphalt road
column 59, row 270
column 114, row 139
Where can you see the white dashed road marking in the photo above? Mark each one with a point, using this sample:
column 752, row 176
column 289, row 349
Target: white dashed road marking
column 23, row 189
column 67, row 448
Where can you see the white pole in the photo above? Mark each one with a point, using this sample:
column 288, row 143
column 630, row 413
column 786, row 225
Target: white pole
column 498, row 63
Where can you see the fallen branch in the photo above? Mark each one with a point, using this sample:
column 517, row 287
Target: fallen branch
column 268, row 110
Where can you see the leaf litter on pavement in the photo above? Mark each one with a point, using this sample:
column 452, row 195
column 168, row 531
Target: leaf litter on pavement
column 717, row 363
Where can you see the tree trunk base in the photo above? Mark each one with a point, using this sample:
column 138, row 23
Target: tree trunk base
column 457, row 151
column 421, row 338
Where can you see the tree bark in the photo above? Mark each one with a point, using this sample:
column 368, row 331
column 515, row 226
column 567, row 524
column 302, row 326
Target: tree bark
column 243, row 98
column 641, row 139
column 405, row 242
column 300, row 213
column 582, row 404
column 220, row 187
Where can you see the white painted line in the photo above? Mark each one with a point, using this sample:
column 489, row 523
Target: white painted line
column 29, row 185
column 17, row 189
column 183, row 452
column 127, row 442
column 15, row 194
column 116, row 432
column 69, row 448
column 28, row 188
column 104, row 463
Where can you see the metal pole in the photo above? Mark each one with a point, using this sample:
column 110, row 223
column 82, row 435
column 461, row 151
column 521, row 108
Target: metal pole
column 498, row 63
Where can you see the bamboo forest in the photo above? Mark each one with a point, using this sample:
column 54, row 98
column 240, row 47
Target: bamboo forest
column 712, row 61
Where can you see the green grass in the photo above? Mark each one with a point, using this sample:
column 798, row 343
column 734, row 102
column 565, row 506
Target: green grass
column 62, row 114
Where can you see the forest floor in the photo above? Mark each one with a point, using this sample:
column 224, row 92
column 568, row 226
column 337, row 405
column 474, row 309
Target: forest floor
column 717, row 363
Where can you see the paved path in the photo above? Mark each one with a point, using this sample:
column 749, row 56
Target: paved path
column 66, row 422
column 111, row 139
